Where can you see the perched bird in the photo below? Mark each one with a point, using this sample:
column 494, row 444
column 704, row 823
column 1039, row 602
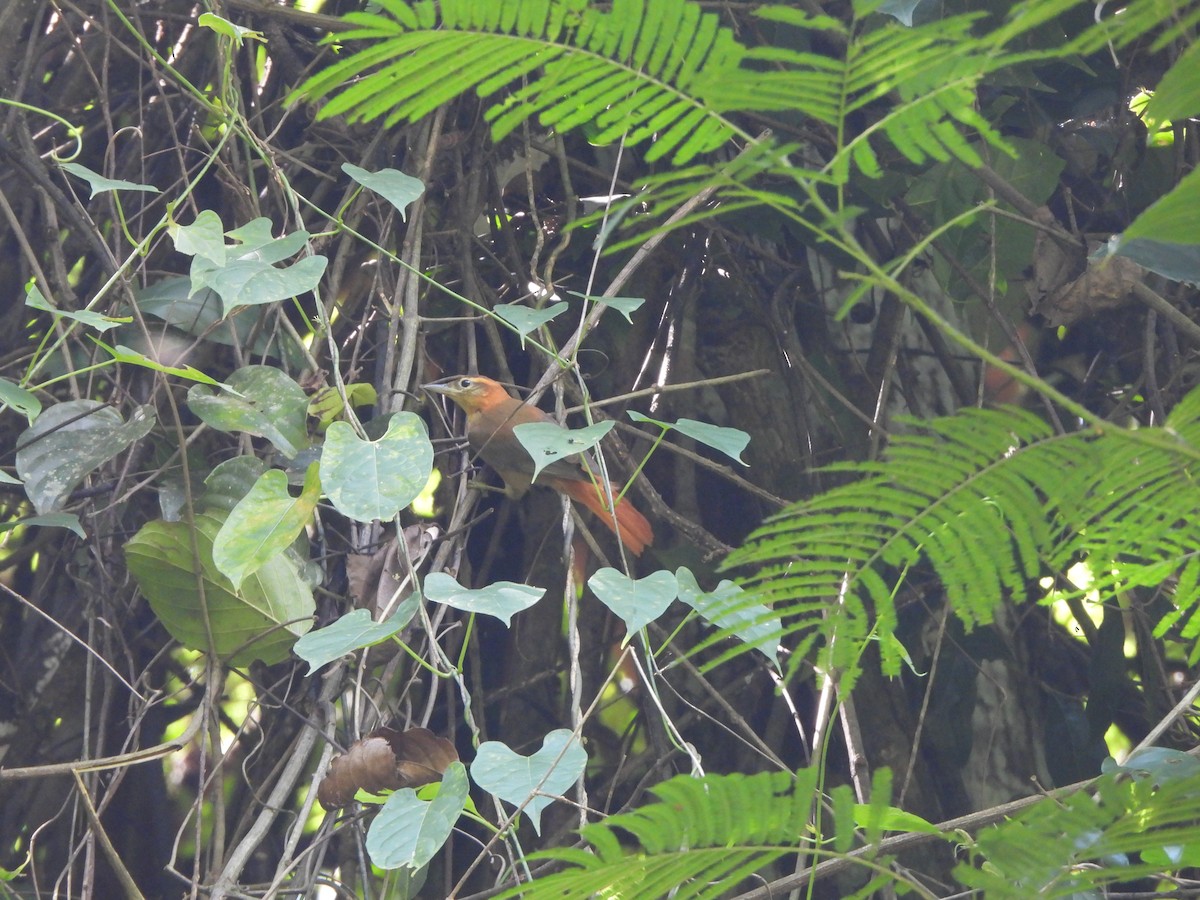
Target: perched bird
column 492, row 413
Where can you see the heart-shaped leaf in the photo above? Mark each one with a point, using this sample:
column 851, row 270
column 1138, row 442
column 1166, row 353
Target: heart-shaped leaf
column 264, row 523
column 409, row 831
column 369, row 480
column 353, row 631
column 502, row 599
column 730, row 441
column 392, row 185
column 99, row 184
column 515, row 778
column 727, row 609
column 547, row 442
column 69, row 440
column 526, row 319
column 264, row 402
column 202, row 610
column 638, row 603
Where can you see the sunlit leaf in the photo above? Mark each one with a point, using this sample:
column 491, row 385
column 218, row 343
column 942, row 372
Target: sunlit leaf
column 368, row 480
column 264, row 523
column 264, row 402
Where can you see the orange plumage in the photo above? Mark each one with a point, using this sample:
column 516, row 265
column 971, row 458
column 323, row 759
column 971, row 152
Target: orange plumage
column 492, row 413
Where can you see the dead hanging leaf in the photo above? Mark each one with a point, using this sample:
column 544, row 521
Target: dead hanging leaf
column 1107, row 284
column 386, row 760
column 374, row 579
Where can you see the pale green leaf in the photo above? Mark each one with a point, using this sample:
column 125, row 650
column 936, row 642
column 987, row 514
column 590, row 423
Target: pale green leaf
column 264, row 523
column 394, row 186
column 638, row 603
column 517, row 779
column 502, row 599
column 368, row 480
column 261, row 400
column 99, row 184
column 353, row 631
column 548, row 442
column 408, row 831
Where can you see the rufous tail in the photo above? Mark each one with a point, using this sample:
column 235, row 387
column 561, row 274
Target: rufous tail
column 631, row 526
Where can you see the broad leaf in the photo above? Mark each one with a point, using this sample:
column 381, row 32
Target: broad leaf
column 638, row 603
column 526, row 319
column 201, row 608
column 264, row 523
column 502, row 599
column 50, row 520
column 730, row 441
column 232, row 480
column 392, row 185
column 368, row 480
column 69, row 440
column 626, row 306
column 409, row 831
column 517, row 779
column 548, row 442
column 353, row 631
column 727, row 609
column 262, row 401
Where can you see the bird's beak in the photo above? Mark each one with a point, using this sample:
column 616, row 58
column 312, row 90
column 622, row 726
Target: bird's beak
column 438, row 388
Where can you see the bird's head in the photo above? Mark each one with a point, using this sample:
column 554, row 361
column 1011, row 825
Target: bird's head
column 471, row 392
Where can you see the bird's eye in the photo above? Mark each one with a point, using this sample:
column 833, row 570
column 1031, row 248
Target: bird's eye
column 464, row 382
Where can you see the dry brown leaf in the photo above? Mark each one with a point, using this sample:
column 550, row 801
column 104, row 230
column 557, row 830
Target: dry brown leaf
column 385, row 760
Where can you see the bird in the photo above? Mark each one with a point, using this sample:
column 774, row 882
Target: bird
column 492, row 413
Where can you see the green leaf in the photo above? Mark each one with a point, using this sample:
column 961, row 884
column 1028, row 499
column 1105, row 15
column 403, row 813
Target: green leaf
column 1178, row 93
column 548, row 442
column 99, row 184
column 515, row 778
column 123, row 354
column 638, row 603
column 889, row 818
column 730, row 441
column 526, row 319
column 729, row 609
column 203, row 239
column 409, row 831
column 502, row 599
column 232, row 480
column 243, row 273
column 1171, row 219
column 236, row 33
column 353, row 631
column 200, row 607
column 392, row 185
column 50, row 520
column 264, row 523
column 626, row 306
column 67, row 442
column 23, row 401
column 264, row 402
column 35, row 299
column 368, row 480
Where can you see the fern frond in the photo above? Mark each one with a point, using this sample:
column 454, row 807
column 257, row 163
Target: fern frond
column 699, row 838
column 991, row 500
column 639, row 68
column 1130, row 827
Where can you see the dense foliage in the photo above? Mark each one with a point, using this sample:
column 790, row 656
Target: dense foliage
column 880, row 313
